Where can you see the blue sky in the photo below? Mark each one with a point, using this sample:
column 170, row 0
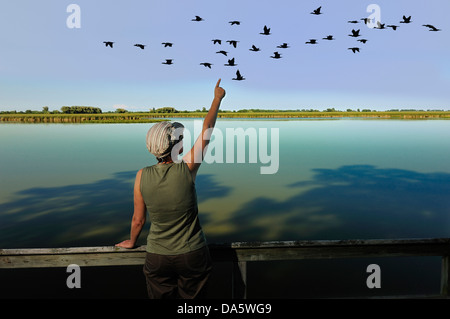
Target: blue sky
column 45, row 63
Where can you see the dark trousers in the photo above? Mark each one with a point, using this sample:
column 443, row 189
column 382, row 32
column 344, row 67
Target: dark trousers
column 178, row 276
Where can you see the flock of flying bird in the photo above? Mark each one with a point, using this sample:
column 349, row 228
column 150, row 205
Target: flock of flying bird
column 276, row 54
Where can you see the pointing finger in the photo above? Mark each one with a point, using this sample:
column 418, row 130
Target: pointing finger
column 218, row 83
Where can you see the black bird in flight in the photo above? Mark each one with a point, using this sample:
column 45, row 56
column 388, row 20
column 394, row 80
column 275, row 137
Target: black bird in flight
column 238, row 77
column 235, row 22
column 431, row 27
column 222, row 52
column 168, row 62
column 283, row 46
column 353, row 21
column 355, row 33
column 406, row 19
column 362, row 40
column 366, row 20
column 254, row 48
column 311, row 41
column 197, row 18
column 266, row 31
column 317, row 11
column 108, row 43
column 233, row 42
column 216, row 41
column 330, row 37
column 380, row 26
column 354, row 49
column 142, row 46
column 167, row 44
column 394, row 27
column 231, row 62
column 206, row 64
column 276, row 55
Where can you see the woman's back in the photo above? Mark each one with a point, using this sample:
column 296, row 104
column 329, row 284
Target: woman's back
column 169, row 194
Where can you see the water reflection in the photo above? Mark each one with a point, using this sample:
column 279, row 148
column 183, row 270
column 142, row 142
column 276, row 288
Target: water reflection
column 359, row 201
column 92, row 214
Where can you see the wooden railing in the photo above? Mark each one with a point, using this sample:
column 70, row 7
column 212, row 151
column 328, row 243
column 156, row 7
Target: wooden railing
column 239, row 253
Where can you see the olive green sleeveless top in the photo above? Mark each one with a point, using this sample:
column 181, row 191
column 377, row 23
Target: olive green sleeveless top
column 171, row 199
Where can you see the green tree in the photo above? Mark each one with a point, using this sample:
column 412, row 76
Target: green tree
column 166, row 110
column 80, row 109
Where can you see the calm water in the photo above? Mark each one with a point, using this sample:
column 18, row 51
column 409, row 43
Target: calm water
column 71, row 185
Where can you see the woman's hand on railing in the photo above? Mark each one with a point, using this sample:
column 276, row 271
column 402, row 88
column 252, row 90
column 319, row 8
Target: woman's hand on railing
column 126, row 244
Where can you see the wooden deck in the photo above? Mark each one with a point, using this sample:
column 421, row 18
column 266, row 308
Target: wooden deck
column 239, row 253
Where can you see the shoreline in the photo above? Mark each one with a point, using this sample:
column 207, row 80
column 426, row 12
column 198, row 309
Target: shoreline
column 156, row 117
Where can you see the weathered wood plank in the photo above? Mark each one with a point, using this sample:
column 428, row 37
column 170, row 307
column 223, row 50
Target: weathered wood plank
column 333, row 252
column 62, row 257
column 48, row 261
column 297, row 250
column 235, row 252
column 68, row 250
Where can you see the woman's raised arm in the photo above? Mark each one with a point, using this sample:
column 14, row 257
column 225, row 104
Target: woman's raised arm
column 195, row 156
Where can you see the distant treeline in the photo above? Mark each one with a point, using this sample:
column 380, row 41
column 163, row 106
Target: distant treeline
column 172, row 110
column 64, row 110
column 80, row 118
column 253, row 110
column 149, row 117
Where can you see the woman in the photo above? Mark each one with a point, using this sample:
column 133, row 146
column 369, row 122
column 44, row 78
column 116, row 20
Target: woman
column 177, row 263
